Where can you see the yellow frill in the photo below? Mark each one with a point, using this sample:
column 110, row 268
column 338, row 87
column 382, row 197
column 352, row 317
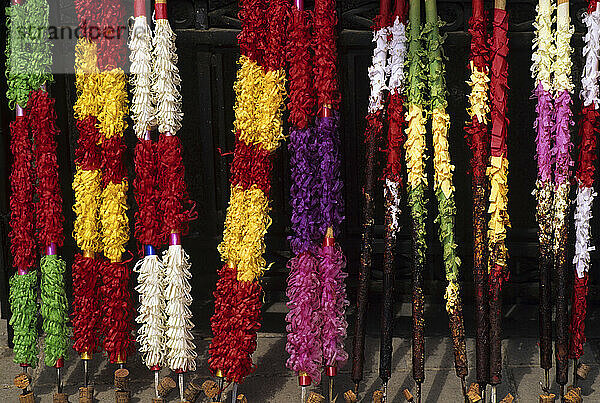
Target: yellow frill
column 259, row 105
column 440, row 122
column 415, row 146
column 114, row 221
column 246, row 224
column 478, row 98
column 452, row 296
column 86, row 79
column 112, row 102
column 498, row 174
column 87, row 186
column 269, row 123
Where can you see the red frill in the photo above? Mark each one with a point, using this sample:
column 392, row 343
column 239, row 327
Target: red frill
column 278, row 12
column 499, row 83
column 299, row 56
column 478, row 140
column 578, row 312
column 251, row 166
column 116, row 311
column 86, row 303
column 588, row 131
column 87, row 13
column 147, row 218
column 592, row 4
column 480, row 52
column 112, row 35
column 113, row 169
column 224, row 300
column 87, row 153
column 252, row 39
column 49, row 215
column 22, row 216
column 396, row 137
column 325, row 20
column 243, row 324
column 175, row 206
column 401, row 10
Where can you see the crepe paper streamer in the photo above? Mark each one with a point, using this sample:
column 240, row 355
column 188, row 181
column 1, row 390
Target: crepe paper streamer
column 147, row 217
column 260, row 92
column 443, row 185
column 116, row 311
column 181, row 352
column 54, row 309
column 373, row 132
column 562, row 140
column 326, row 55
column 478, row 141
column 86, row 79
column 588, row 131
column 166, row 84
column 140, row 45
column 23, row 318
column 304, row 320
column 28, row 57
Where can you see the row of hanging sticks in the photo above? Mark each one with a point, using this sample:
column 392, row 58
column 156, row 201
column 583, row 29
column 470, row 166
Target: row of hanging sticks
column 36, row 222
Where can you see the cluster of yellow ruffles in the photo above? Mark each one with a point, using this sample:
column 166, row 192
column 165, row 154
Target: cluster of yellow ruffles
column 101, row 223
column 479, row 81
column 543, row 45
column 258, row 121
column 497, row 172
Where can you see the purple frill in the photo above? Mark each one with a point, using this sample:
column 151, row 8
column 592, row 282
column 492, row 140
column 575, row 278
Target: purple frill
column 543, row 126
column 304, row 323
column 333, row 304
column 562, row 145
column 330, row 182
column 304, row 204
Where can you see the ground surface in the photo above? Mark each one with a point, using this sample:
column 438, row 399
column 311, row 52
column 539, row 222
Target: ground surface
column 272, row 382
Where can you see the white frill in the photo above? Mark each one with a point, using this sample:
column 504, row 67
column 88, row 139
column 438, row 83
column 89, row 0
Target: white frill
column 590, row 91
column 393, row 189
column 152, row 316
column 166, row 84
column 397, row 49
column 378, row 70
column 563, row 64
column 181, row 351
column 140, row 45
column 583, row 230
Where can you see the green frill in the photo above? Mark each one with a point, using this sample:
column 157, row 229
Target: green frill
column 23, row 307
column 54, row 309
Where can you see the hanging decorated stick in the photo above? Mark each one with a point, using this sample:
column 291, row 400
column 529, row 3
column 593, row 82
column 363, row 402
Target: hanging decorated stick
column 260, row 92
column 588, row 131
column 393, row 180
column 151, row 273
column 332, row 261
column 443, row 186
column 174, row 204
column 478, row 139
column 373, row 132
column 497, row 173
column 415, row 168
column 563, row 87
column 114, row 225
column 36, row 222
column 541, row 69
column 304, row 339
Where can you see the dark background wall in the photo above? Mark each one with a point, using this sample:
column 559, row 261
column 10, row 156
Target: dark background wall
column 207, row 60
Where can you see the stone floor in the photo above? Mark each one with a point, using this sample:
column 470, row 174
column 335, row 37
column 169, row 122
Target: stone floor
column 272, row 382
